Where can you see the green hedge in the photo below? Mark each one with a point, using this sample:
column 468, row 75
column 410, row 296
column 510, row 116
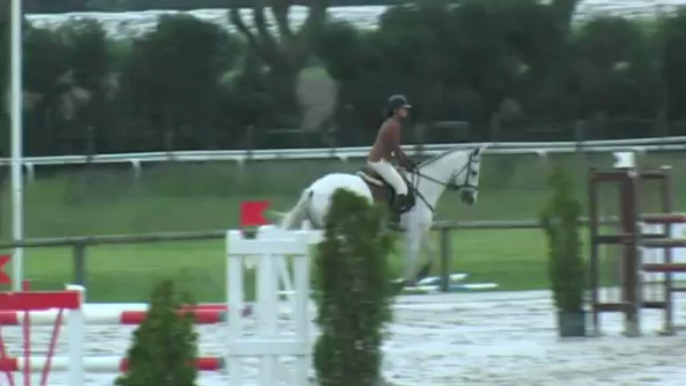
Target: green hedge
column 354, row 303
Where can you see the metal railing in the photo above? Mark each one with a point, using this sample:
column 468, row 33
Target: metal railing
column 541, row 148
column 80, row 244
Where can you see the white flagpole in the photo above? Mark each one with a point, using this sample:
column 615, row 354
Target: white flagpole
column 16, row 96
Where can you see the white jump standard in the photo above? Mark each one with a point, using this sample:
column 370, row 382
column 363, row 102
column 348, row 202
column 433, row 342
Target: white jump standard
column 272, row 248
column 269, row 253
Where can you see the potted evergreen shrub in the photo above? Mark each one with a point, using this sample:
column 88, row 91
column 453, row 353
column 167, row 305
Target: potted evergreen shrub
column 560, row 222
column 165, row 345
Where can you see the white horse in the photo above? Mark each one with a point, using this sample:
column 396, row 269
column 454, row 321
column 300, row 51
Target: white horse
column 457, row 169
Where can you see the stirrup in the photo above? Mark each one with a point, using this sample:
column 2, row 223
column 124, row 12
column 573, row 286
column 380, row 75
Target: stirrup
column 401, row 203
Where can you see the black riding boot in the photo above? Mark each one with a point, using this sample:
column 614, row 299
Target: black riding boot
column 398, row 205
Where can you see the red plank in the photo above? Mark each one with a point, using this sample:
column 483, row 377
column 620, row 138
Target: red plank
column 200, row 316
column 664, row 218
column 664, row 243
column 39, row 300
column 4, row 279
column 664, row 267
column 201, row 364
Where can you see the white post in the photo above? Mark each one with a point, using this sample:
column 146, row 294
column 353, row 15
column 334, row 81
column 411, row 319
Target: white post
column 16, row 134
column 301, row 315
column 267, row 312
column 234, row 280
column 75, row 328
column 136, row 164
column 30, row 171
column 624, row 159
column 285, row 277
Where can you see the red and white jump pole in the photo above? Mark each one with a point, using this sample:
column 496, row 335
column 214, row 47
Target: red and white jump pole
column 98, row 364
column 106, row 317
column 47, row 308
column 70, row 300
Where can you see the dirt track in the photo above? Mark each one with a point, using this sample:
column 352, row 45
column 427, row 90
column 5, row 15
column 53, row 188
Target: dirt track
column 469, row 339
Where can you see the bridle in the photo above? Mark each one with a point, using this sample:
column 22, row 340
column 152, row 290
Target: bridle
column 449, row 184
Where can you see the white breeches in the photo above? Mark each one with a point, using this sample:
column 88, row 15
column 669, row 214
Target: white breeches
column 390, row 175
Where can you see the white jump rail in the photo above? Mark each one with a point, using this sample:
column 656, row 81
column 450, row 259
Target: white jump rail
column 97, row 364
column 509, row 148
column 108, row 318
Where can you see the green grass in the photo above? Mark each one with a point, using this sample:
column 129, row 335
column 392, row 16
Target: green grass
column 118, row 273
column 514, row 259
column 188, row 197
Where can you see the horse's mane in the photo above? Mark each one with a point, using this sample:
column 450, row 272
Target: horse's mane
column 439, row 156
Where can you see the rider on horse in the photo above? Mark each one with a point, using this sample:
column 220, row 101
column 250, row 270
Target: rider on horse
column 386, row 149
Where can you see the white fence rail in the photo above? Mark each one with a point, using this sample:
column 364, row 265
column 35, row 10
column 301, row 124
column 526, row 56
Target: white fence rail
column 640, row 144
column 344, row 153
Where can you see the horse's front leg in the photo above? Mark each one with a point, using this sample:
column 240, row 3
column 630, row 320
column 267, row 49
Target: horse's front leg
column 413, row 245
column 425, row 249
column 426, row 246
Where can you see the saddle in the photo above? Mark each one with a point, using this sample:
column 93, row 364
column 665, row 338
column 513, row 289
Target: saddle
column 384, row 191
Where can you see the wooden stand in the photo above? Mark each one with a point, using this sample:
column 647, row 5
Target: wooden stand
column 631, row 239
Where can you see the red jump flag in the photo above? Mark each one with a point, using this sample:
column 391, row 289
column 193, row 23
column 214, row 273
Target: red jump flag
column 252, row 213
column 4, row 279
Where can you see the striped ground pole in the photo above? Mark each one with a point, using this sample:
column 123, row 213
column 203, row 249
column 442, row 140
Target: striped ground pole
column 434, row 289
column 246, row 311
column 432, row 285
column 103, row 364
column 203, row 314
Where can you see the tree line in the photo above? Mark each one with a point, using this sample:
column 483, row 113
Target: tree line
column 500, row 67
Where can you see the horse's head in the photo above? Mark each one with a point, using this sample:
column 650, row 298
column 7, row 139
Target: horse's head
column 466, row 178
column 456, row 169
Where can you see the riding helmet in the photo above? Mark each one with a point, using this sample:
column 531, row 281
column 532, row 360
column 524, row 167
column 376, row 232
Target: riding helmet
column 397, row 101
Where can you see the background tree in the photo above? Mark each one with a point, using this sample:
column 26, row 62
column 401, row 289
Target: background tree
column 617, row 72
column 542, row 34
column 526, row 70
column 89, row 97
column 280, row 59
column 47, row 79
column 671, row 36
column 251, row 106
column 350, row 58
column 447, row 73
column 172, row 83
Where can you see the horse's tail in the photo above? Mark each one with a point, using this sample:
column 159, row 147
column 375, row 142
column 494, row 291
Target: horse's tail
column 294, row 218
